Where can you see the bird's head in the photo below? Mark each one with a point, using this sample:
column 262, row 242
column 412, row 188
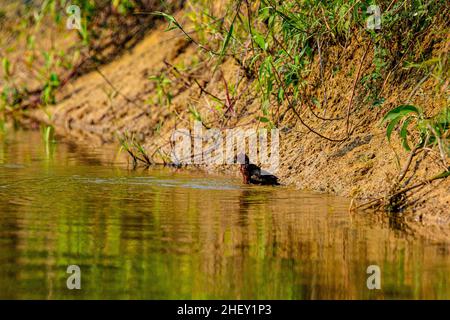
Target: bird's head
column 242, row 159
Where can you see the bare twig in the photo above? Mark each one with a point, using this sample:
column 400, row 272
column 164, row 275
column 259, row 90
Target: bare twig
column 291, row 107
column 379, row 201
column 350, row 103
column 407, row 165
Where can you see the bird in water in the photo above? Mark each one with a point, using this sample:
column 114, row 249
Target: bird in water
column 252, row 174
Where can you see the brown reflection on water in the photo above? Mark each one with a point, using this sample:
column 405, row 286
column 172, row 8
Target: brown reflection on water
column 151, row 234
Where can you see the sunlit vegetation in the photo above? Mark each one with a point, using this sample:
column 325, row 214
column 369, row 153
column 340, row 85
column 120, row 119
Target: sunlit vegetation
column 277, row 41
column 55, row 55
column 427, row 136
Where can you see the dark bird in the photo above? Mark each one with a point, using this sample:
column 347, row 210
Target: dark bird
column 252, row 174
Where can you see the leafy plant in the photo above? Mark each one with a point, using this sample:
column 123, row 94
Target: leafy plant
column 413, row 125
column 164, row 97
column 6, row 68
column 427, row 134
column 134, row 149
column 49, row 68
column 195, row 114
column 47, row 134
column 48, row 94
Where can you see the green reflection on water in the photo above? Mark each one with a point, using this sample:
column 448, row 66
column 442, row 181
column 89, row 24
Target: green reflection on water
column 166, row 234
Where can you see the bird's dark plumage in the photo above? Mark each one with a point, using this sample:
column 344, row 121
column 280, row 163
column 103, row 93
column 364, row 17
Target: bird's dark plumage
column 251, row 173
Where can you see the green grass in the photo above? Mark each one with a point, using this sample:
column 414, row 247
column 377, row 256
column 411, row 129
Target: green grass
column 283, row 37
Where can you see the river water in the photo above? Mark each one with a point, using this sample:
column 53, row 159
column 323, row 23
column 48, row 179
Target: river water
column 174, row 234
